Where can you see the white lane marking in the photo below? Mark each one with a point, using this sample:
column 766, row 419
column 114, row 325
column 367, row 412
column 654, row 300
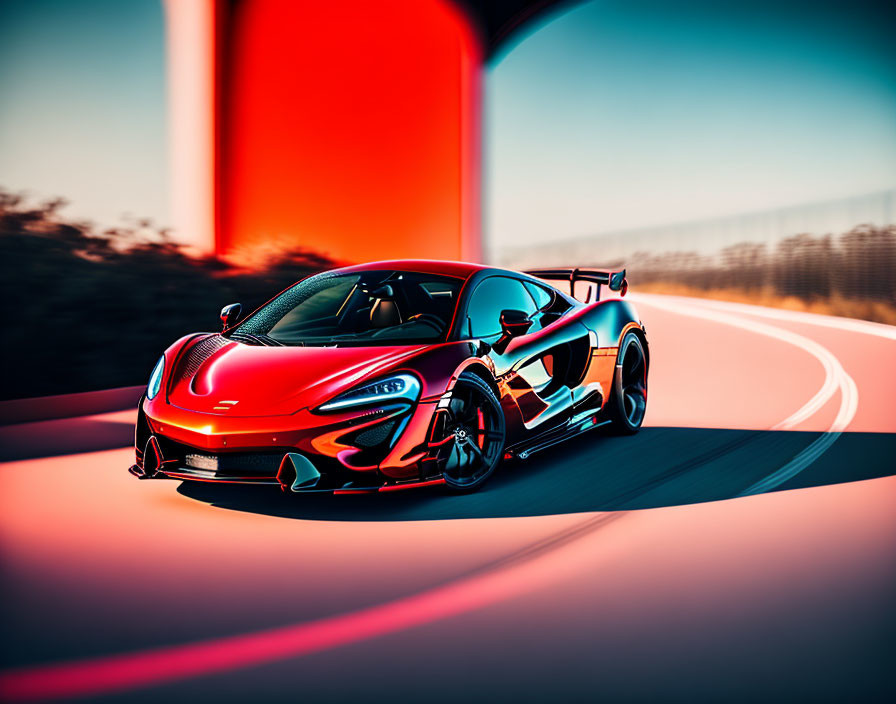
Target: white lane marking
column 813, row 451
column 828, row 321
column 835, row 378
column 833, row 370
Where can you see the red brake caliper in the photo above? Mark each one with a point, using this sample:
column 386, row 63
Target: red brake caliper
column 432, row 442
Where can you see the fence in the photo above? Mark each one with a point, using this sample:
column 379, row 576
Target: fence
column 860, row 264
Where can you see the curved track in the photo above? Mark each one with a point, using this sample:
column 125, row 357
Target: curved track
column 611, row 567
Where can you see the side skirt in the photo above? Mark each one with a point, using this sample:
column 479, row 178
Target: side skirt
column 578, row 424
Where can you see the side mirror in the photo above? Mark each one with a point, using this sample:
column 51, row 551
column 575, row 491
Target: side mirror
column 513, row 324
column 230, row 314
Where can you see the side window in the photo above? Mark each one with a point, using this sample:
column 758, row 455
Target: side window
column 543, row 299
column 541, row 295
column 493, row 295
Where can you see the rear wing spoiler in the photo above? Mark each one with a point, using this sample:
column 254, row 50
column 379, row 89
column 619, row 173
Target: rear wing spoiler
column 615, row 280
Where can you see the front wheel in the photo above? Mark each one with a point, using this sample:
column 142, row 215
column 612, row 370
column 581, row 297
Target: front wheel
column 628, row 397
column 473, row 434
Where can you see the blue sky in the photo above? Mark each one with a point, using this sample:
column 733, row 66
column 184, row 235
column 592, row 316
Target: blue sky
column 612, row 115
column 82, row 105
column 626, row 114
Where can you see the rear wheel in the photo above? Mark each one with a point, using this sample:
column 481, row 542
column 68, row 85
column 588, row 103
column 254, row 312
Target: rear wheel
column 473, row 434
column 628, row 398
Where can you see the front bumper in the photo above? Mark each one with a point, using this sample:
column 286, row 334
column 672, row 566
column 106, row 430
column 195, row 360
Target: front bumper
column 368, row 449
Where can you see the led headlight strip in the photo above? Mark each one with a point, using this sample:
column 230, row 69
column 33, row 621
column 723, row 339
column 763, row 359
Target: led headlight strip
column 399, row 386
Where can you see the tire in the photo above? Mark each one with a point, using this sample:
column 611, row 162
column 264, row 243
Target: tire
column 476, row 421
column 628, row 397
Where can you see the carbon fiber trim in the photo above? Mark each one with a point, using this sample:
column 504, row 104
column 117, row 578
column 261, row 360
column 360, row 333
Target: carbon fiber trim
column 198, row 353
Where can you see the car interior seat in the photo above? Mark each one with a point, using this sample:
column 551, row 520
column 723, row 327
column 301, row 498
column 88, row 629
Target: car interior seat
column 384, row 314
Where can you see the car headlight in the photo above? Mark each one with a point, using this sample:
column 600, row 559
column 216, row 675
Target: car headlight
column 400, row 386
column 155, row 379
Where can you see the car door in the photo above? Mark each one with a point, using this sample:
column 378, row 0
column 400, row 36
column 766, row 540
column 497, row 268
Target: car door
column 532, row 368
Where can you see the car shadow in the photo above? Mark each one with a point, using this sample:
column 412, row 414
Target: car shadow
column 596, row 472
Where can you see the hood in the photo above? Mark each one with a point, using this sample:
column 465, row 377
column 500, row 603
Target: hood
column 230, row 378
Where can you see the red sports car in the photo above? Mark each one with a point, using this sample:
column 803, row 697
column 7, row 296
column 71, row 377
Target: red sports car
column 395, row 374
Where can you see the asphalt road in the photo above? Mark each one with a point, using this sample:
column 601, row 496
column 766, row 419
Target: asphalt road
column 743, row 545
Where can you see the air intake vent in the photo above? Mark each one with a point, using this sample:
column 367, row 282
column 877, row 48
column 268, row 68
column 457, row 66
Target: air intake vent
column 375, row 435
column 200, row 352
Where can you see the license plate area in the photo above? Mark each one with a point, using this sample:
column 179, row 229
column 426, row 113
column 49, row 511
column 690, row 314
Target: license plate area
column 207, row 462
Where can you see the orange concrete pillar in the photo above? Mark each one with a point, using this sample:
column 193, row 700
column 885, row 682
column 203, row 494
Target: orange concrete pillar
column 348, row 128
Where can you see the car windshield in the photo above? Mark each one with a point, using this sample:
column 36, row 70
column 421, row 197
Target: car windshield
column 359, row 308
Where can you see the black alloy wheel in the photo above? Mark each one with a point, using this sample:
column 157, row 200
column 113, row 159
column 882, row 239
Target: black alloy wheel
column 473, row 433
column 628, row 401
